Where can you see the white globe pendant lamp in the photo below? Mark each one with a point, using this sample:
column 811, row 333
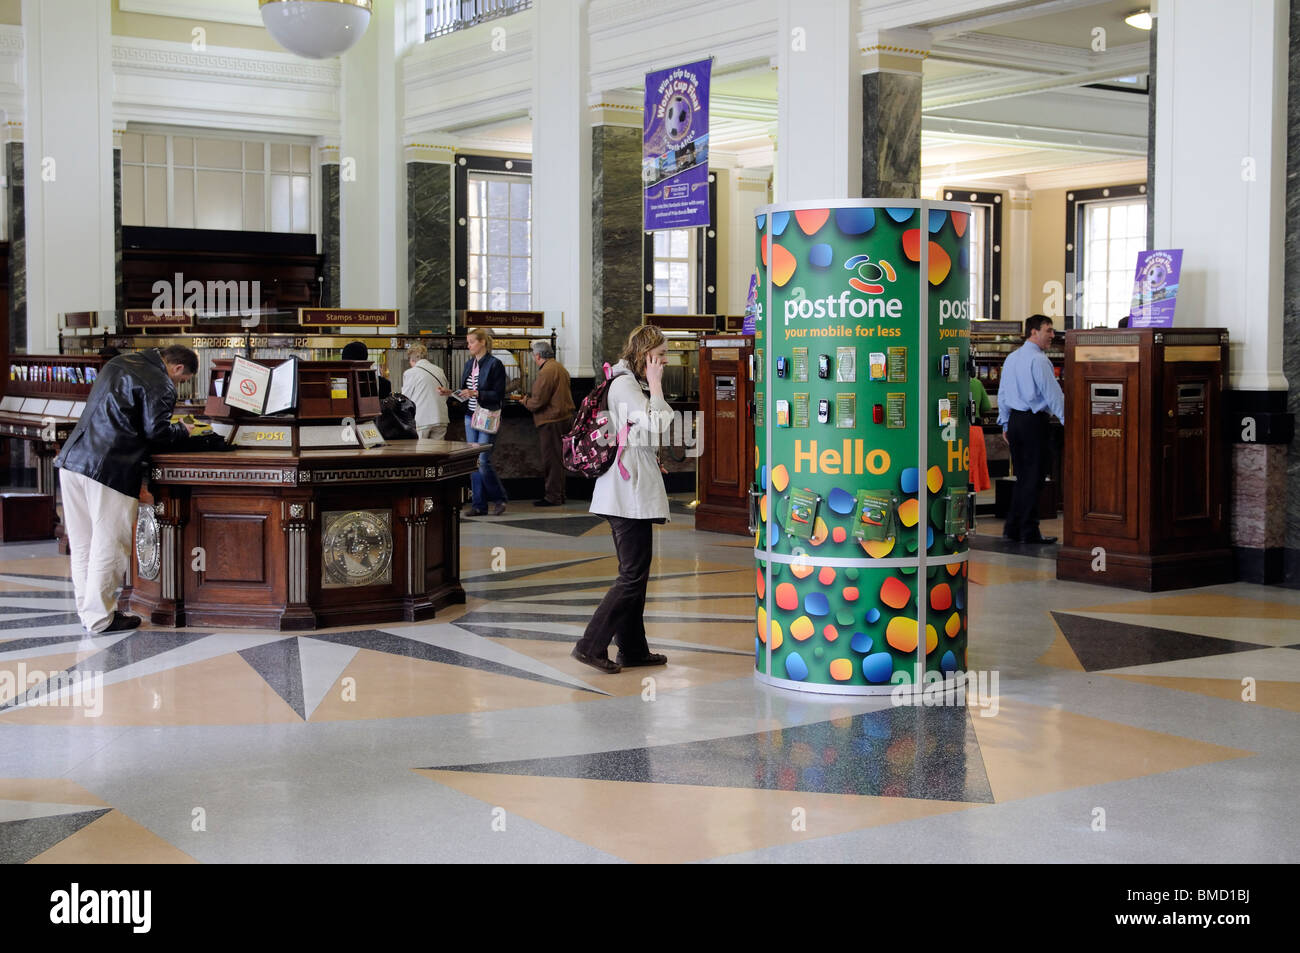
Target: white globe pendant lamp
column 316, row 29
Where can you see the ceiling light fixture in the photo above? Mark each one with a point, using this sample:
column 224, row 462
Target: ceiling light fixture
column 1139, row 19
column 316, row 29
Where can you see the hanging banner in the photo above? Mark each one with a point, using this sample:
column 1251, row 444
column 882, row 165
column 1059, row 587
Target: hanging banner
column 1155, row 288
column 675, row 147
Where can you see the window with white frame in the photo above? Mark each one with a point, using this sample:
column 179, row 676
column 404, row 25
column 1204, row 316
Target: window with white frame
column 675, row 271
column 182, row 181
column 499, row 241
column 1111, row 235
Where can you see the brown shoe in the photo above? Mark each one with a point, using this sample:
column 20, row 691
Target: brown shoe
column 595, row 661
column 498, row 509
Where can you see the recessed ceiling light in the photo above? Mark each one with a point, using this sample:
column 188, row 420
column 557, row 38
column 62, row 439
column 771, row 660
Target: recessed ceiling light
column 1139, row 19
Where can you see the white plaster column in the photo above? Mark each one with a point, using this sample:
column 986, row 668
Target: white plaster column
column 819, row 101
column 748, row 192
column 562, row 206
column 1017, row 244
column 68, row 163
column 1222, row 197
column 372, row 204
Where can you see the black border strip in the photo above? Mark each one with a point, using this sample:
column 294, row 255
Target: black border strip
column 995, row 202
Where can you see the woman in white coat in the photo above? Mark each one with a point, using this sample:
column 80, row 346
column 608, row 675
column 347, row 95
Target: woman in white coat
column 423, row 383
column 631, row 496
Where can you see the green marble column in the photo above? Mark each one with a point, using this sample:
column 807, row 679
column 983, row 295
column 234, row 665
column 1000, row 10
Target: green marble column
column 616, row 244
column 891, row 135
column 428, row 231
column 329, row 213
column 117, row 235
column 17, row 248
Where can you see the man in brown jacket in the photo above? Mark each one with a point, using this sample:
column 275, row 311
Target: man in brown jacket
column 552, row 405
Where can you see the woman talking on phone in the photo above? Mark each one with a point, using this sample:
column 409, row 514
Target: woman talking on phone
column 482, row 386
column 631, row 496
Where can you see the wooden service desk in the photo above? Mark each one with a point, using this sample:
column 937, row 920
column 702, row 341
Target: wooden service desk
column 301, row 540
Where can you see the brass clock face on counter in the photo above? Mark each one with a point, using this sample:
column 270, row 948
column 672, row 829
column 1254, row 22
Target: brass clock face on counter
column 357, row 548
column 148, row 551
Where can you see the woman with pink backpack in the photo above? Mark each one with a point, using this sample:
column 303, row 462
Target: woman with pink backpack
column 631, row 496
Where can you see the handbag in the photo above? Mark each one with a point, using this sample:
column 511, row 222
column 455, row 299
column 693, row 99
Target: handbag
column 396, row 419
column 488, row 421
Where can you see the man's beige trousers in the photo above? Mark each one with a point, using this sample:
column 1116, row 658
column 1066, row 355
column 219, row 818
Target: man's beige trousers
column 101, row 525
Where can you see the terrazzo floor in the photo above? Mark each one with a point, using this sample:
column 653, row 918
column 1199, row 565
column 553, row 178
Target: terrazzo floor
column 474, row 737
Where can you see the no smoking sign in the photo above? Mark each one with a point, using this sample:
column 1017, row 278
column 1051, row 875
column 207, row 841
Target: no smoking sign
column 248, row 387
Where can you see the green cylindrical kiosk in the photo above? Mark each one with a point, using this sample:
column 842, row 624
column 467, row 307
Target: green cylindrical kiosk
column 862, row 429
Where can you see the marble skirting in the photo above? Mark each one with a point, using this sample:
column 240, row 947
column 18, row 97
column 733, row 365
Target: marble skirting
column 1258, row 495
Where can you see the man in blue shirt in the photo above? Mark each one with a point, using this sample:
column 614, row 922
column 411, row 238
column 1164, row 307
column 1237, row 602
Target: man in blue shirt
column 1027, row 394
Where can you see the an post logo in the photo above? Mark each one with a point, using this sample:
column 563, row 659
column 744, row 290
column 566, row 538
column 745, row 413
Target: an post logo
column 870, row 274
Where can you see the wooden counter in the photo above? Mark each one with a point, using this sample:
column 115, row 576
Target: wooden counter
column 290, row 541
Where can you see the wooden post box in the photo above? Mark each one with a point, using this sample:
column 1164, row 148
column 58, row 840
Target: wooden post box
column 1146, row 463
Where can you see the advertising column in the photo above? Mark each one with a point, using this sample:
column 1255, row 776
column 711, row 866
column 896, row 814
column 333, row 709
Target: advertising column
column 862, row 432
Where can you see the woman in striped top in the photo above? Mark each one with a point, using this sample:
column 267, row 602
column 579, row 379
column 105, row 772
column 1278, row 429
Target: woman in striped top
column 483, row 384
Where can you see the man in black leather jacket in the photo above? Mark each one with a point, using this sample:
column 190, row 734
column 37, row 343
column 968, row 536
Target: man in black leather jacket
column 127, row 415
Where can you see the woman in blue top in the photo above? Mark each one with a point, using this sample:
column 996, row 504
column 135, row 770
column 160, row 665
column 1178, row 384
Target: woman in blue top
column 483, row 384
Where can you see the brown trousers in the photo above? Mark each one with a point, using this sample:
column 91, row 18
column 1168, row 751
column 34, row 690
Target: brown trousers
column 552, row 437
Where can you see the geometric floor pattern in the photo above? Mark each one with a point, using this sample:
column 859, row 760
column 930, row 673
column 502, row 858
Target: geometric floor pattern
column 474, row 736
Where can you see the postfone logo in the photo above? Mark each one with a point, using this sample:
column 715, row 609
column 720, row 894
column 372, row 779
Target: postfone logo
column 870, row 274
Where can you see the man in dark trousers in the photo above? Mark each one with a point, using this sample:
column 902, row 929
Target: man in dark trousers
column 552, row 405
column 128, row 414
column 1028, row 397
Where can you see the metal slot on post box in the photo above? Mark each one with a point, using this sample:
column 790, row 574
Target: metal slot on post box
column 1191, row 399
column 724, row 389
column 1107, row 399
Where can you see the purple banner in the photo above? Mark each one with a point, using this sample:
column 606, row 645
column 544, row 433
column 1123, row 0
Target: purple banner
column 675, row 147
column 751, row 305
column 1155, row 288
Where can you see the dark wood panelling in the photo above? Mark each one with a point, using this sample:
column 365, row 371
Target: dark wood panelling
column 236, row 545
